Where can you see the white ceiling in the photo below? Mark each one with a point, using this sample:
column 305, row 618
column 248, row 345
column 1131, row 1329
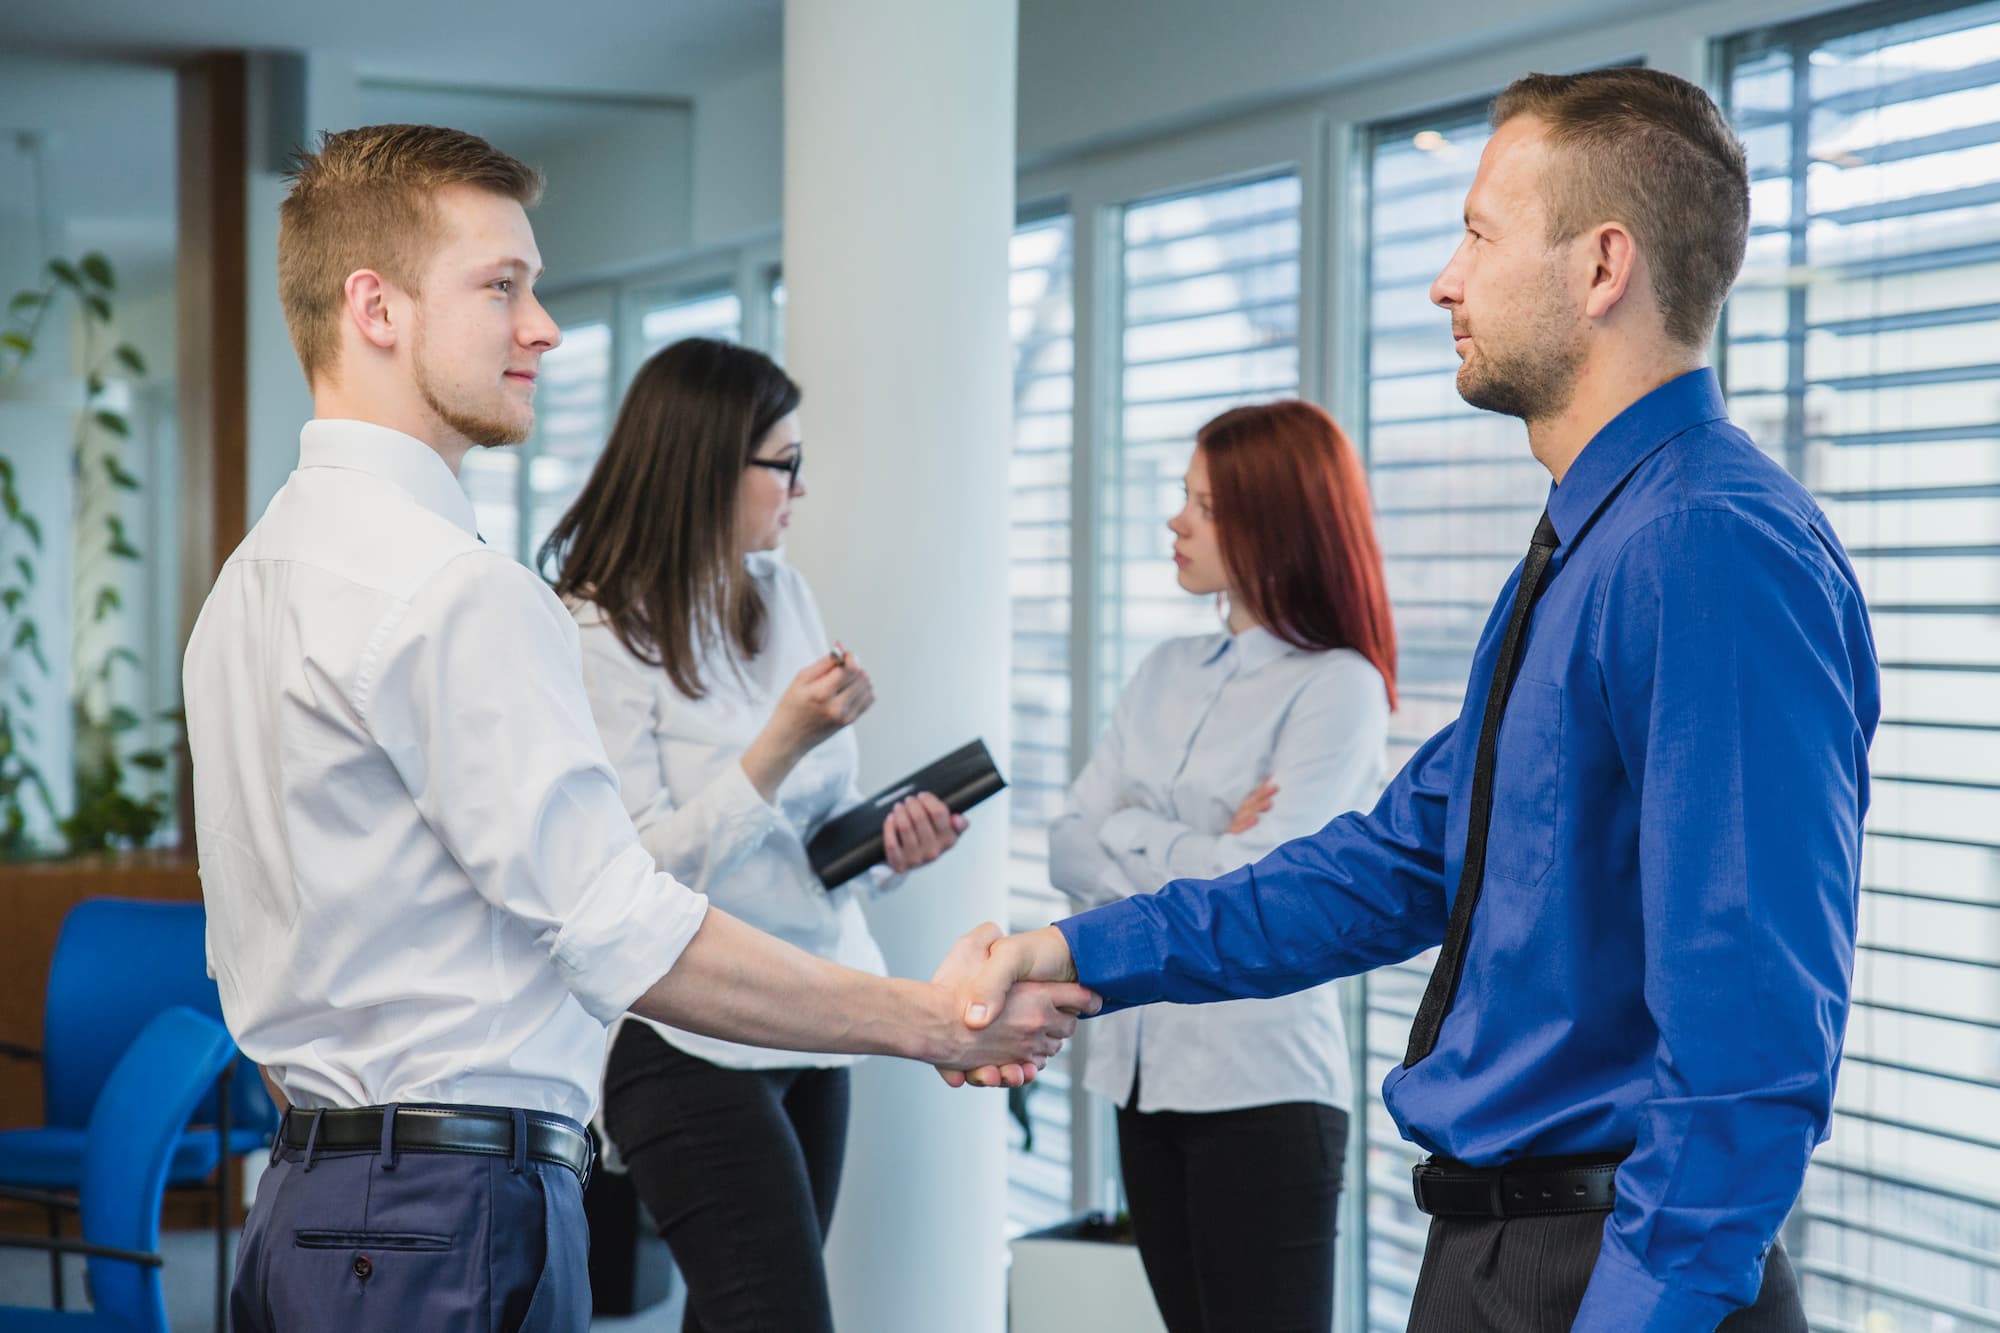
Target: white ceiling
column 645, row 47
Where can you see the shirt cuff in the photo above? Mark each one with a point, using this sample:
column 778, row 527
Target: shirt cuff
column 630, row 926
column 1115, row 953
column 1623, row 1298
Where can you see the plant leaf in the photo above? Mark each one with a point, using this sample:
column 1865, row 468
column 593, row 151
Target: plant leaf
column 112, row 422
column 151, row 759
column 11, row 598
column 128, row 356
column 62, row 271
column 108, row 601
column 123, row 719
column 24, row 301
column 119, row 476
column 98, row 306
column 27, row 699
column 95, row 384
column 125, row 551
column 6, row 469
column 98, row 269
column 34, row 529
column 20, row 342
column 27, row 568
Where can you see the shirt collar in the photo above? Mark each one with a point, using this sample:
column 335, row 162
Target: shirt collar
column 1251, row 649
column 403, row 461
column 1626, row 441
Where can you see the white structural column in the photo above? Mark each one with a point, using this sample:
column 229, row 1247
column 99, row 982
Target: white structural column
column 899, row 204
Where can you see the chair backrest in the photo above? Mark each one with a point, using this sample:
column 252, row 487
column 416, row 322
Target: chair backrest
column 118, row 962
column 145, row 1101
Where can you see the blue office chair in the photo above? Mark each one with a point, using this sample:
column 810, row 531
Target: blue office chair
column 133, row 1131
column 117, row 963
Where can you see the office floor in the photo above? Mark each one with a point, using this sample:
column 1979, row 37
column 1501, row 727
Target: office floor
column 190, row 1275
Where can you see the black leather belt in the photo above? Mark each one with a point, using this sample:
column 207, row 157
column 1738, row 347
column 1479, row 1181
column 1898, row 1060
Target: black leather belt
column 1529, row 1187
column 448, row 1129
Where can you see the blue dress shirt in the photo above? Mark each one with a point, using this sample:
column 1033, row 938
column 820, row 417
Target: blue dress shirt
column 1662, row 953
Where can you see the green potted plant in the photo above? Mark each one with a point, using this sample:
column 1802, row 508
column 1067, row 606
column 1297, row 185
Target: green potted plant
column 108, row 813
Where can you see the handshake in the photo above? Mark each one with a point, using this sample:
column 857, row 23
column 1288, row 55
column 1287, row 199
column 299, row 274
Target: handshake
column 1016, row 1002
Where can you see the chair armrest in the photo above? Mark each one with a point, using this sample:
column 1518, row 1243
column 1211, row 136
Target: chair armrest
column 17, row 1051
column 46, row 1198
column 64, row 1245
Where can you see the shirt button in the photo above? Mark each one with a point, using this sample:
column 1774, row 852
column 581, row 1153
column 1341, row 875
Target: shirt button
column 362, row 1267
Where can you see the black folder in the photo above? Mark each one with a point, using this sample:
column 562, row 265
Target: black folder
column 846, row 846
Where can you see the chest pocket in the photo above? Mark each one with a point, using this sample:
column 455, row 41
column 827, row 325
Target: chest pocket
column 1527, row 774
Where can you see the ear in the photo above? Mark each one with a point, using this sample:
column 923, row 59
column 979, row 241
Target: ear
column 1614, row 262
column 369, row 299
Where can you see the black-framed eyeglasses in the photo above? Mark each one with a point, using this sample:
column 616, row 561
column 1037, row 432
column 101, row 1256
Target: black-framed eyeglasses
column 789, row 466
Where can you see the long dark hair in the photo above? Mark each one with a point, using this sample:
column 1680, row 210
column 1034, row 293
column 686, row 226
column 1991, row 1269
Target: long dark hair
column 1292, row 518
column 652, row 537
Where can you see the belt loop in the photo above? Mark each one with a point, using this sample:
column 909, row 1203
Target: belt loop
column 312, row 1136
column 388, row 1153
column 278, row 1139
column 520, row 1162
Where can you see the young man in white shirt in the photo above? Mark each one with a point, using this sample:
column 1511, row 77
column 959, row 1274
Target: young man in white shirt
column 425, row 897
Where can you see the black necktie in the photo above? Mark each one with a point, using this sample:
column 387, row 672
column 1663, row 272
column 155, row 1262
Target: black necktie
column 1443, row 987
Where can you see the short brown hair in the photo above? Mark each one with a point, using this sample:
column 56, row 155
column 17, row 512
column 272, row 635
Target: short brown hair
column 365, row 199
column 1642, row 147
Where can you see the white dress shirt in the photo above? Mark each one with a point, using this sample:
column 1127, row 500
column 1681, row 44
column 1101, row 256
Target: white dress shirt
column 421, row 882
column 679, row 767
column 1205, row 721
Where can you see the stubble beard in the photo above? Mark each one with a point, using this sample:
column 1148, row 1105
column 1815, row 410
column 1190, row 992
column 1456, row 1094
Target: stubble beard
column 480, row 429
column 1534, row 377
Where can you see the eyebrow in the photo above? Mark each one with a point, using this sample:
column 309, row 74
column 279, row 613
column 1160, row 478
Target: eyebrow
column 514, row 266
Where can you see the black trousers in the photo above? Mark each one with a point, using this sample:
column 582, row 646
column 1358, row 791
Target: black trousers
column 1528, row 1274
column 740, row 1169
column 1234, row 1212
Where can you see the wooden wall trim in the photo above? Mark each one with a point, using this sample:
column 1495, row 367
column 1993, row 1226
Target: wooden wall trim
column 213, row 318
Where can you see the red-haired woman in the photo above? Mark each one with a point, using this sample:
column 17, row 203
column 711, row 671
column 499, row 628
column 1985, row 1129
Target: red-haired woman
column 1231, row 1129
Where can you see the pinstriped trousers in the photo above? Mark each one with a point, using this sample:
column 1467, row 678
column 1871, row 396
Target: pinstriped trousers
column 1527, row 1275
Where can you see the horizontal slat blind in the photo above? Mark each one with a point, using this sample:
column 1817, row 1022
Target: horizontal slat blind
column 1863, row 350
column 1457, row 494
column 1041, row 315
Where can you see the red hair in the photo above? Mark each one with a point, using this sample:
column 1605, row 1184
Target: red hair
column 1292, row 516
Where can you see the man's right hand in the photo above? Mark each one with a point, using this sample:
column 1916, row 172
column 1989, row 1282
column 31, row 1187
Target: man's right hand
column 1013, row 1026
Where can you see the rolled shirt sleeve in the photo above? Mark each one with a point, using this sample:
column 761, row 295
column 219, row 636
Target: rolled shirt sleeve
column 491, row 733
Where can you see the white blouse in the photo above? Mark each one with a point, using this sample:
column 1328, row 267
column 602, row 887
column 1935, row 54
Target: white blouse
column 1204, row 721
column 698, row 814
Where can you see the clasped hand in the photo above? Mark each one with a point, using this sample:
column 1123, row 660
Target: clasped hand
column 1018, row 1001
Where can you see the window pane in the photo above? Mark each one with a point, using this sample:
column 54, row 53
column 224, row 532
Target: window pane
column 1211, row 321
column 715, row 314
column 573, row 417
column 1457, row 493
column 1040, row 313
column 1860, row 351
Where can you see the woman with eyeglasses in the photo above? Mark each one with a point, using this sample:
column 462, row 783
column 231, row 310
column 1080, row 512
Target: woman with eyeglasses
column 724, row 708
column 1232, row 1125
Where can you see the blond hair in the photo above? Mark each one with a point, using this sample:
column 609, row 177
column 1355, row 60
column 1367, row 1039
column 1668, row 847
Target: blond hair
column 1652, row 151
column 367, row 199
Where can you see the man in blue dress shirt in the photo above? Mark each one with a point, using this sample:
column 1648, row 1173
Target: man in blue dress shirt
column 1652, row 798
